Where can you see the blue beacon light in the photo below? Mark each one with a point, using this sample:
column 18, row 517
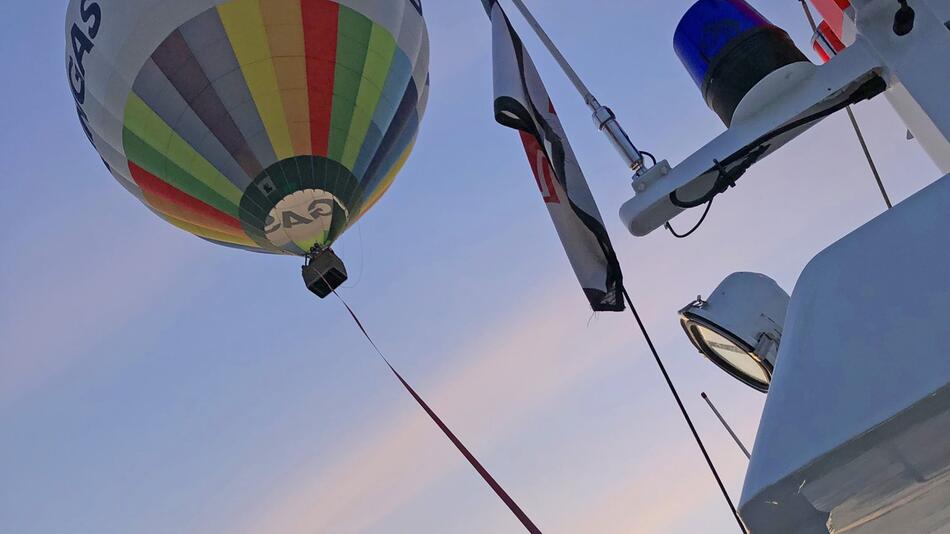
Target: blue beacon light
column 727, row 47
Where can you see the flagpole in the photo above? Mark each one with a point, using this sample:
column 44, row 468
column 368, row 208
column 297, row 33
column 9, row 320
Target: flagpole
column 604, row 117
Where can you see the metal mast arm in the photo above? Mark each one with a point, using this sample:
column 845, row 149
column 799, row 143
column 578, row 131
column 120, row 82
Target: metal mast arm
column 604, row 118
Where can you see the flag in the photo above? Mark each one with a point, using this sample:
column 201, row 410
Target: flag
column 522, row 103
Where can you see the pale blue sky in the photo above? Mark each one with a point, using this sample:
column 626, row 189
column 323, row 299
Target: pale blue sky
column 152, row 383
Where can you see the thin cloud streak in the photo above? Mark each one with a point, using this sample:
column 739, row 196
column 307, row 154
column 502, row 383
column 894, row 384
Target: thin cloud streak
column 647, row 486
column 528, row 364
column 57, row 312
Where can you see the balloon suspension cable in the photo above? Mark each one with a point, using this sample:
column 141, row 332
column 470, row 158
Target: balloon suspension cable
column 315, row 252
column 604, row 118
column 682, row 407
column 486, row 476
column 854, row 123
column 726, row 426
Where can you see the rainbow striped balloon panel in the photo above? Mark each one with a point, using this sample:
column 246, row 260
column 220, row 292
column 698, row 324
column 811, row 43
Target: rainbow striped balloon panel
column 274, row 124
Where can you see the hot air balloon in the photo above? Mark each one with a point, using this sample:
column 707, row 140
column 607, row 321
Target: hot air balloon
column 267, row 125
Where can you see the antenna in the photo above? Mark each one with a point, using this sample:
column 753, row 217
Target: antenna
column 725, row 424
column 854, row 121
column 604, row 117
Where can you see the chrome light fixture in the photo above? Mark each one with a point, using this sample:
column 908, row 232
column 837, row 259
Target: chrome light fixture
column 739, row 327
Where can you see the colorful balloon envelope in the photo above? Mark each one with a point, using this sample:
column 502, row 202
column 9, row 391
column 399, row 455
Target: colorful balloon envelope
column 270, row 125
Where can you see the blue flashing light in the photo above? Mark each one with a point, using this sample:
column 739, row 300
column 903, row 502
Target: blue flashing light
column 708, row 28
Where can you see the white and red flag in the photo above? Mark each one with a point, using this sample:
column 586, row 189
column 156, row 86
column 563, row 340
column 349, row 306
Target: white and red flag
column 522, row 103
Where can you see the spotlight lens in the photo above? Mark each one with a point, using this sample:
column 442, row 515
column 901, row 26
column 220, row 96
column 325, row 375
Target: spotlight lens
column 732, row 355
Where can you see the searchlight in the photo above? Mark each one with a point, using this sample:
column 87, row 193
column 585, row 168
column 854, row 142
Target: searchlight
column 739, row 327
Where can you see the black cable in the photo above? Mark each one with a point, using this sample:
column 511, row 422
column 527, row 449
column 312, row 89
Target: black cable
column 679, row 402
column 749, row 154
column 699, row 223
column 725, row 179
column 649, row 155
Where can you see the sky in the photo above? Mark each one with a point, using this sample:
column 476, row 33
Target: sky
column 144, row 388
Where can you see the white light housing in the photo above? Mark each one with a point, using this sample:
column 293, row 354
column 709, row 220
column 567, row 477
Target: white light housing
column 739, row 327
